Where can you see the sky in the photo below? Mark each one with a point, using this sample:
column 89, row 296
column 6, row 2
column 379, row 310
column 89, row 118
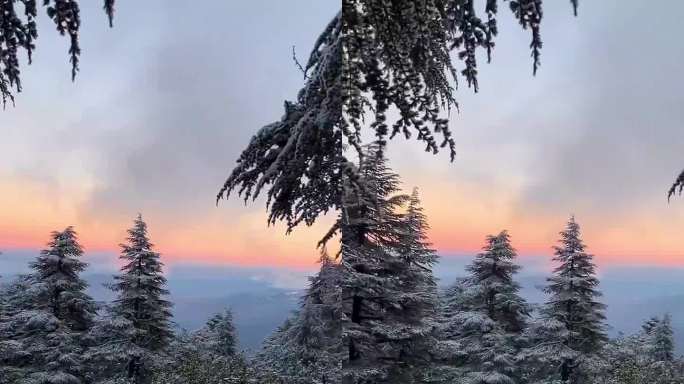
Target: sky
column 166, row 100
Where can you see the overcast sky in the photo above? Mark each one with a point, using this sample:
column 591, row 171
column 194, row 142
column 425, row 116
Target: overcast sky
column 166, row 100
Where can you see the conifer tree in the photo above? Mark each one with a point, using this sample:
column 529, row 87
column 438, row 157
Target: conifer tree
column 572, row 327
column 646, row 357
column 49, row 314
column 19, row 31
column 648, row 325
column 488, row 324
column 388, row 292
column 138, row 323
column 661, row 346
column 307, row 348
column 218, row 336
column 17, row 297
column 372, row 58
column 208, row 356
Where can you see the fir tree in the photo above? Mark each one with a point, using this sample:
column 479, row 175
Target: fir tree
column 19, row 31
column 490, row 317
column 646, row 357
column 372, row 58
column 208, row 355
column 47, row 315
column 573, row 316
column 218, row 336
column 307, row 348
column 661, row 340
column 137, row 326
column 648, row 325
column 388, row 292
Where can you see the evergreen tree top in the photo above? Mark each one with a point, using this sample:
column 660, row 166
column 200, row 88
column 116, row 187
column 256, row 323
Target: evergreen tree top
column 138, row 239
column 575, row 263
column 496, row 260
column 62, row 257
column 415, row 215
column 570, row 241
column 219, row 335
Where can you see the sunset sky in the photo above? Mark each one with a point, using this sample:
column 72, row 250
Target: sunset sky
column 166, row 100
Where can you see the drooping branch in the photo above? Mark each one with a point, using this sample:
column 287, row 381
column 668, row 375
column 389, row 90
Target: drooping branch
column 300, row 156
column 375, row 60
column 18, row 31
column 677, row 187
column 109, row 10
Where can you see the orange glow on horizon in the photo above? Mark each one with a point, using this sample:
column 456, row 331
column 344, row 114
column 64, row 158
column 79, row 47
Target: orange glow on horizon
column 460, row 214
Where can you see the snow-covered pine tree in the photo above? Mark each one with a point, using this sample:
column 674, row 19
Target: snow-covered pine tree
column 48, row 316
column 388, row 292
column 373, row 58
column 646, row 357
column 661, row 340
column 208, row 356
column 218, row 337
column 488, row 324
column 137, row 326
column 278, row 358
column 571, row 329
column 17, row 297
column 307, row 348
column 649, row 324
column 19, row 31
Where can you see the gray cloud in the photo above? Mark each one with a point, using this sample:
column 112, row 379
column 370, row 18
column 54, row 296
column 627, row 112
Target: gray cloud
column 216, row 74
column 625, row 116
column 165, row 101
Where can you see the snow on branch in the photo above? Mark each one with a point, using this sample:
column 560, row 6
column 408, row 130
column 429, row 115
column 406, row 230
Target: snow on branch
column 19, row 31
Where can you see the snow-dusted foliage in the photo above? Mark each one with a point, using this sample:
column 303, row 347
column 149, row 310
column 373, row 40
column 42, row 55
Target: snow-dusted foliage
column 218, row 336
column 571, row 330
column 300, row 156
column 137, row 324
column 208, row 356
column 19, row 31
column 388, row 293
column 374, row 58
column 308, row 347
column 45, row 317
column 485, row 318
column 646, row 357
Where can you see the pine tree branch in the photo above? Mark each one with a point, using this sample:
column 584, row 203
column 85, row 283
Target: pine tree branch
column 677, row 187
column 19, row 31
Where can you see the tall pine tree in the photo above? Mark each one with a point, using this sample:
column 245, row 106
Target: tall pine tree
column 138, row 323
column 48, row 315
column 488, row 326
column 661, row 340
column 572, row 327
column 388, row 292
column 307, row 348
column 218, row 336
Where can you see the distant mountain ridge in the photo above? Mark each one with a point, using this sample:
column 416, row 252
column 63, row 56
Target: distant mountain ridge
column 632, row 295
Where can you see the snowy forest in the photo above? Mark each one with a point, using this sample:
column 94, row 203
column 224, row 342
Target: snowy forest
column 376, row 316
column 374, row 312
